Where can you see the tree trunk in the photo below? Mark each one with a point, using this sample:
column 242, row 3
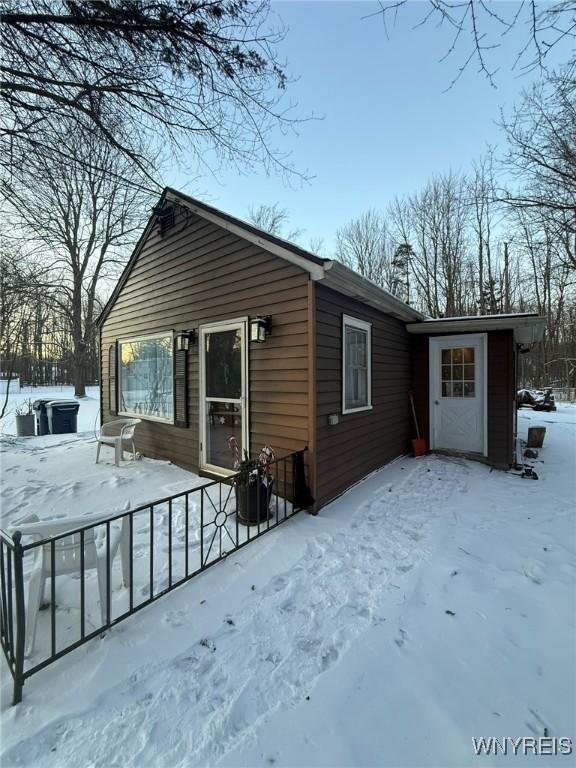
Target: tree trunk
column 78, row 360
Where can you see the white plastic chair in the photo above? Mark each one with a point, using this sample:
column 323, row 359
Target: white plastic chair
column 67, row 559
column 116, row 433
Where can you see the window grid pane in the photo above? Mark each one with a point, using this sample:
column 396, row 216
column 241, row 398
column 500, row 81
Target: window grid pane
column 146, row 383
column 458, row 372
column 356, row 356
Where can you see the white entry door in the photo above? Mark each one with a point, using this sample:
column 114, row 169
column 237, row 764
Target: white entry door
column 458, row 393
column 223, row 394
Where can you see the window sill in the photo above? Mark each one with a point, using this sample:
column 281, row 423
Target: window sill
column 145, row 417
column 357, row 410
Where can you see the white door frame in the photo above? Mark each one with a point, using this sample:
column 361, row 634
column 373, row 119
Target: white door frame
column 223, row 325
column 434, row 344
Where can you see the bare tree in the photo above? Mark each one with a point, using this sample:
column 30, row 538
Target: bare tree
column 84, row 218
column 365, row 245
column 479, row 27
column 199, row 75
column 541, row 138
column 273, row 219
column 317, row 246
column 432, row 225
column 22, row 294
column 486, row 214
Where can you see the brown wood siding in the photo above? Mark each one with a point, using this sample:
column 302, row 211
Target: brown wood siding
column 199, row 273
column 500, row 398
column 364, row 441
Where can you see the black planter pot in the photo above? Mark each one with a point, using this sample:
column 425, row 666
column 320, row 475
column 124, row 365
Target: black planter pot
column 250, row 509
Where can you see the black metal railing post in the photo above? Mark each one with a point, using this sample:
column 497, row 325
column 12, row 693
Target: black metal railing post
column 20, row 618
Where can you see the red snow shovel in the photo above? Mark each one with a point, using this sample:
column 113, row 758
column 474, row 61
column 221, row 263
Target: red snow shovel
column 418, row 444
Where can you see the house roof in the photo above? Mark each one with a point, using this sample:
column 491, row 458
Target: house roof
column 219, row 217
column 528, row 327
column 331, row 273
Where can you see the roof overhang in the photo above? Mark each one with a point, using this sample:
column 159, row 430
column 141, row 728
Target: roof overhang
column 350, row 283
column 528, row 327
column 331, row 273
column 242, row 229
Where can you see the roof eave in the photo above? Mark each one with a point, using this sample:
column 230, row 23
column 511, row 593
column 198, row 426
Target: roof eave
column 333, row 274
column 270, row 243
column 528, row 329
column 344, row 280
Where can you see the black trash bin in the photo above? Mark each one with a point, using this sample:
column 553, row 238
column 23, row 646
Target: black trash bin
column 62, row 416
column 39, row 408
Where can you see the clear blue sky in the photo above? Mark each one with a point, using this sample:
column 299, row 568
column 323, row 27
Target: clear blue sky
column 388, row 123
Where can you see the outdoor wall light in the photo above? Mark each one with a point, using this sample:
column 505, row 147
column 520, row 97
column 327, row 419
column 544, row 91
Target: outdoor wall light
column 184, row 339
column 260, row 328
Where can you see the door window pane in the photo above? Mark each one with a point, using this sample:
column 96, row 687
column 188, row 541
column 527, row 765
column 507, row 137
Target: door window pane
column 458, row 377
column 223, row 364
column 146, row 377
column 223, row 421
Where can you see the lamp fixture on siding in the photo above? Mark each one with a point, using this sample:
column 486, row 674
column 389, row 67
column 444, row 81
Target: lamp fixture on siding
column 260, row 328
column 184, row 339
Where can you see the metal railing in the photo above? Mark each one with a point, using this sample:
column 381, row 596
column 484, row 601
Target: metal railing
column 161, row 545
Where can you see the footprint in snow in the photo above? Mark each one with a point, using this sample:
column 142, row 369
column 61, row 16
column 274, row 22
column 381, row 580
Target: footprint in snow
column 288, row 606
column 328, row 657
column 351, row 611
column 308, row 645
column 533, row 572
column 401, row 639
column 174, row 618
column 274, row 657
column 186, row 663
column 278, row 584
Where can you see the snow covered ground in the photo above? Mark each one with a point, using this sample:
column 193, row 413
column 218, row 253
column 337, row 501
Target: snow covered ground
column 432, row 603
column 88, row 415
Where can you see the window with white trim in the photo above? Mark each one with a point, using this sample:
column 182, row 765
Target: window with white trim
column 146, row 377
column 356, row 365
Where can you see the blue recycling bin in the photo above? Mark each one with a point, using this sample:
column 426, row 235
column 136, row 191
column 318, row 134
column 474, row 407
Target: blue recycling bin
column 62, row 416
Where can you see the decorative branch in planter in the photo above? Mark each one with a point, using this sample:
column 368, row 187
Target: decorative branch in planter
column 25, row 419
column 253, row 484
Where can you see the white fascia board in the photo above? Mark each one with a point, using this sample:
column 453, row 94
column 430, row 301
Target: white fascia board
column 316, row 271
column 482, row 323
column 350, row 283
